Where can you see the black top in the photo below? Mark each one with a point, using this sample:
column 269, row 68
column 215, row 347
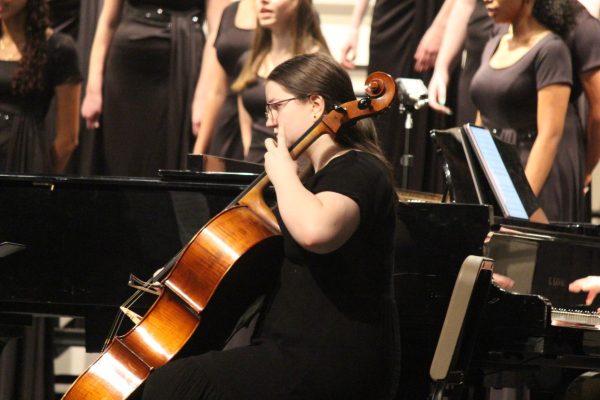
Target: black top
column 62, row 67
column 329, row 327
column 231, row 42
column 255, row 101
column 329, row 305
column 506, row 97
column 177, row 5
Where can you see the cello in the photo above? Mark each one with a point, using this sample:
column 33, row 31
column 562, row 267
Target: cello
column 217, row 274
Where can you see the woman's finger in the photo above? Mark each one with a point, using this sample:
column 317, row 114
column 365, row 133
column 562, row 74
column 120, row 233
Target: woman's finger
column 270, row 144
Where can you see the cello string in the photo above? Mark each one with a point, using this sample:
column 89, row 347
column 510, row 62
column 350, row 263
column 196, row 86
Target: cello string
column 131, row 300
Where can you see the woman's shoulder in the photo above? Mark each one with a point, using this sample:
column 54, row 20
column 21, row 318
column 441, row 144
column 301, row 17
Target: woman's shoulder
column 358, row 162
column 361, row 176
column 58, row 41
column 63, row 59
column 553, row 48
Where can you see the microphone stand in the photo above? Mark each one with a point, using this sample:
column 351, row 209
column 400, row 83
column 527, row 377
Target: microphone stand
column 406, row 161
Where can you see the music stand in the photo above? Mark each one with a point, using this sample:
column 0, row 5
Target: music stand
column 468, row 171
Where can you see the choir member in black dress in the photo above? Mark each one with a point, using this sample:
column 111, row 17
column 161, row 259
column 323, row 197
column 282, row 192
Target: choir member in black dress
column 328, row 330
column 144, row 68
column 217, row 125
column 522, row 90
column 36, row 65
column 286, row 28
column 396, row 29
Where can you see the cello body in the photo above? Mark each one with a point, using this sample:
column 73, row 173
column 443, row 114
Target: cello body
column 234, row 240
column 230, row 262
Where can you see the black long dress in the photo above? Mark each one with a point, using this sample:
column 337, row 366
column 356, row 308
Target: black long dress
column 231, row 42
column 507, row 99
column 24, row 145
column 151, row 71
column 397, row 27
column 329, row 329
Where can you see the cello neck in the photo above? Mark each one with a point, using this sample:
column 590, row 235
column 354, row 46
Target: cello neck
column 253, row 195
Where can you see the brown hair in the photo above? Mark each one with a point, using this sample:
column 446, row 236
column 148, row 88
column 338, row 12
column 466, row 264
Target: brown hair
column 29, row 76
column 306, row 35
column 319, row 74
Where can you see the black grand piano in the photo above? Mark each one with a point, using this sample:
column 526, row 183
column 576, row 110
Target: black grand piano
column 83, row 237
column 537, row 323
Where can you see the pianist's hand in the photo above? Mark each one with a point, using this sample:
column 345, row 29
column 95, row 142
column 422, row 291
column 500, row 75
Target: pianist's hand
column 590, row 284
column 503, row 281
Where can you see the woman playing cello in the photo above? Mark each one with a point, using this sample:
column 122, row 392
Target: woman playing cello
column 328, row 329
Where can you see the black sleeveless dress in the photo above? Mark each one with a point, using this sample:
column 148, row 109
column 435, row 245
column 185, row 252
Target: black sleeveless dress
column 152, row 69
column 230, row 44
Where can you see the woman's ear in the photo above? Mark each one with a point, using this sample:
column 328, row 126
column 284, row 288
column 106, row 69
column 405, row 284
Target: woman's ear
column 317, row 103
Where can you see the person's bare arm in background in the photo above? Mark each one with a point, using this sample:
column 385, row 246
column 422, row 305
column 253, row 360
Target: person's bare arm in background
column 430, row 44
column 214, row 10
column 350, row 45
column 91, row 109
column 452, row 44
column 591, row 87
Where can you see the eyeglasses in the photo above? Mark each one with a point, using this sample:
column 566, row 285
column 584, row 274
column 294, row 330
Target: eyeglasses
column 272, row 109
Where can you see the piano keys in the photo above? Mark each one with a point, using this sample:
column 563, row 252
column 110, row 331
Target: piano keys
column 577, row 319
